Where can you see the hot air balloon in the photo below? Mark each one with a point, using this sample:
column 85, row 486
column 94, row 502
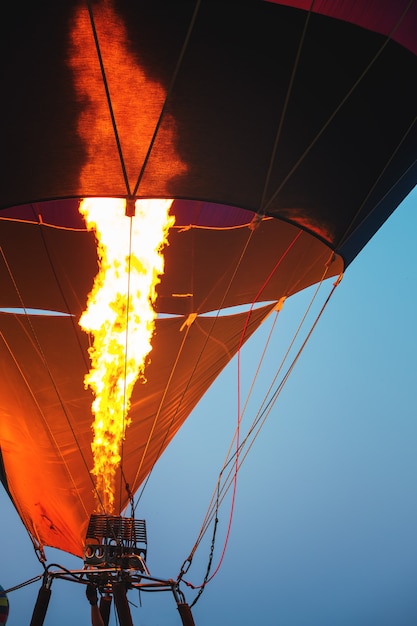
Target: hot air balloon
column 4, row 606
column 284, row 133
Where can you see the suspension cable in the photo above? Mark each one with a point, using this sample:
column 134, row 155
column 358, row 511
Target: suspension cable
column 108, row 97
column 169, row 91
column 285, row 107
column 339, row 106
column 228, row 287
column 235, row 461
column 125, row 400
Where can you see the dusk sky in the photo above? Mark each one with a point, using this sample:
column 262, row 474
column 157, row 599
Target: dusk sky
column 325, row 517
column 284, row 131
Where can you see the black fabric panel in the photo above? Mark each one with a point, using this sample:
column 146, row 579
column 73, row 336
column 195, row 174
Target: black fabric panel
column 337, row 179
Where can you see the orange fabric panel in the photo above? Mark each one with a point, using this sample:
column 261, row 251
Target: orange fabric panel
column 45, row 425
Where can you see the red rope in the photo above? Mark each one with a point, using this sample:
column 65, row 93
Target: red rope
column 239, row 415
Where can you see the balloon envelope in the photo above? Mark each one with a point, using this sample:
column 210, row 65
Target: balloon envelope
column 285, row 137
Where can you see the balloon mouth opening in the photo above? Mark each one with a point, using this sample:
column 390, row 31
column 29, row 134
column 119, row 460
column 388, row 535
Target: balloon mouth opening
column 202, row 229
column 64, row 213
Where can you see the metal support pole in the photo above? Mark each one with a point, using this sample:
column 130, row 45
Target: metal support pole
column 122, row 605
column 105, row 606
column 41, row 606
column 185, row 614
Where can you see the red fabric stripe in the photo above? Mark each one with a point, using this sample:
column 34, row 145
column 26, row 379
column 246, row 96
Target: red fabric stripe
column 380, row 17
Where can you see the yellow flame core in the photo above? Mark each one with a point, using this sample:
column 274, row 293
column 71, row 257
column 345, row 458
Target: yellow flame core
column 121, row 319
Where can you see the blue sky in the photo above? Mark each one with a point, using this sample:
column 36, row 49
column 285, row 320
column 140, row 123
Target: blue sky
column 323, row 531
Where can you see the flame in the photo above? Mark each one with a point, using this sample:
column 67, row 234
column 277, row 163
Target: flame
column 120, row 316
column 114, row 167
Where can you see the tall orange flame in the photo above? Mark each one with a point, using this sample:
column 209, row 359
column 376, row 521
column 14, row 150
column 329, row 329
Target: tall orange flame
column 121, row 318
column 124, row 282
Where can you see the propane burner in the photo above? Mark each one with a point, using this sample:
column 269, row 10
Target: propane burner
column 113, row 541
